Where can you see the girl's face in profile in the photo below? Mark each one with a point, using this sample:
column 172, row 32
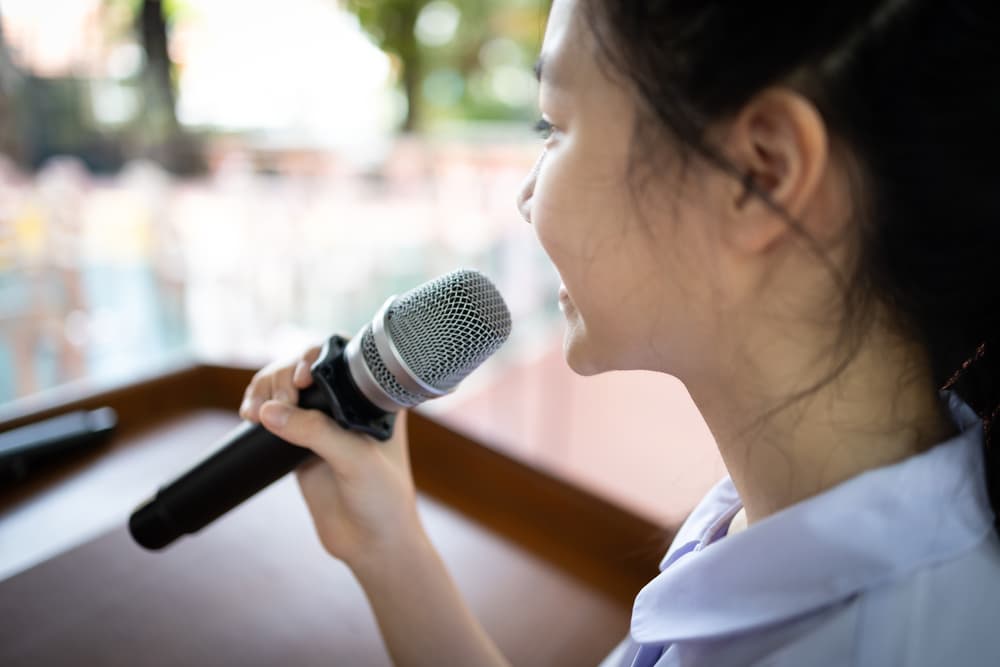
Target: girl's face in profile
column 636, row 258
column 731, row 284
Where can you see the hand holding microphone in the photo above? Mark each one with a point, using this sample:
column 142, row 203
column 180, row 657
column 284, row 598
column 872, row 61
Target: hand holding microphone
column 419, row 346
column 360, row 494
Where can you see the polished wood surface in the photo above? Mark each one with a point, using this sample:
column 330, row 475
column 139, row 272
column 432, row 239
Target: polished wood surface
column 550, row 570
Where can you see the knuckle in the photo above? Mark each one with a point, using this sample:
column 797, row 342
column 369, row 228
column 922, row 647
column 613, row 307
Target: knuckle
column 315, row 421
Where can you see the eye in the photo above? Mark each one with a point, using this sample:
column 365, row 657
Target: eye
column 544, row 128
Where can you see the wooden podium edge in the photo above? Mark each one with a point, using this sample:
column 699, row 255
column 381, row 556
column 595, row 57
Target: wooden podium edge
column 588, row 537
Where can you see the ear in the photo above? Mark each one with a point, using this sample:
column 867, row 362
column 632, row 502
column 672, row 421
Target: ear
column 779, row 142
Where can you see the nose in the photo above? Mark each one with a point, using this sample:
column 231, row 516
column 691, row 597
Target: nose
column 528, row 190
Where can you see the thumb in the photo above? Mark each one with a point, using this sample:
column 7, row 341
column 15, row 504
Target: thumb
column 311, row 429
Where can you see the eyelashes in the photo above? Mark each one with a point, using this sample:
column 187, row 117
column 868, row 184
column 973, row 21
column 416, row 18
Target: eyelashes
column 544, row 128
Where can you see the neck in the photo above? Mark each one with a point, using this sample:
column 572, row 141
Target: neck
column 880, row 410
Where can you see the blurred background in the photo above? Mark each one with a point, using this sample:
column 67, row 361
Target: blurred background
column 233, row 180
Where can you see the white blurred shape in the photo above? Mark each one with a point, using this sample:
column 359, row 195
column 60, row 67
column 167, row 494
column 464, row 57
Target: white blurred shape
column 304, row 73
column 437, row 23
column 113, row 103
column 125, row 61
column 500, row 51
column 76, row 328
column 52, row 38
column 513, row 86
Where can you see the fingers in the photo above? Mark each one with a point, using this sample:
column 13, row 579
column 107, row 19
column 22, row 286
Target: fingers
column 280, row 382
column 314, row 430
column 282, row 388
column 346, row 452
column 397, row 447
column 301, row 377
column 252, row 400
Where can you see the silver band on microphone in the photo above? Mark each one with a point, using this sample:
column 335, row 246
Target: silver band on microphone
column 363, row 376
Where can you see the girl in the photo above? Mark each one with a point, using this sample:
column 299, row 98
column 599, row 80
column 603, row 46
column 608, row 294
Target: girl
column 791, row 207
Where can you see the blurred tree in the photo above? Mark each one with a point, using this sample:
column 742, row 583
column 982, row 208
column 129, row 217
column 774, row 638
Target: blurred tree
column 171, row 146
column 155, row 132
column 392, row 23
column 152, row 29
column 454, row 54
column 10, row 82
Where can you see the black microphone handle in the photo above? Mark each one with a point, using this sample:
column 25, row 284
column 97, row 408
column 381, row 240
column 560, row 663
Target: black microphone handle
column 248, row 459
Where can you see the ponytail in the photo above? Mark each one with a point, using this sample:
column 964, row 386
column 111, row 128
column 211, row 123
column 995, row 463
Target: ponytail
column 977, row 382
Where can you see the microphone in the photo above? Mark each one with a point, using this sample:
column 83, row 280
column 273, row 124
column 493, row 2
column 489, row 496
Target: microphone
column 419, row 346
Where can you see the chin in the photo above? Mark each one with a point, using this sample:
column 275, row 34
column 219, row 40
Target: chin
column 579, row 355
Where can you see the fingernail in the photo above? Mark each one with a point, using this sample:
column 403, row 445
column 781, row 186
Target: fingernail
column 275, row 414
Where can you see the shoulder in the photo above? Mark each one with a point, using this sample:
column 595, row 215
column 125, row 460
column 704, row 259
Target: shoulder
column 939, row 614
column 943, row 613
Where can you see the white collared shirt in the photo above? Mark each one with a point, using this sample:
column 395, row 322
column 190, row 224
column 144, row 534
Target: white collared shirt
column 897, row 566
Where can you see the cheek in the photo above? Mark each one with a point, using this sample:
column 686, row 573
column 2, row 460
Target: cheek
column 552, row 212
column 580, row 217
column 566, row 209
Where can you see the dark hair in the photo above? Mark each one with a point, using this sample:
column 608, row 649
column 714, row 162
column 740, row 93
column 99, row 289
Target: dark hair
column 908, row 90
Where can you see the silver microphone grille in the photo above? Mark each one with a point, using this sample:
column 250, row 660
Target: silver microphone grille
column 441, row 331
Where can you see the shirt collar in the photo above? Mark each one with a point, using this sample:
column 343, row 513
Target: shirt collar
column 881, row 524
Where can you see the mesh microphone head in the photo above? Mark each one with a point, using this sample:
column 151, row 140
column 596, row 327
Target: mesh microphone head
column 430, row 338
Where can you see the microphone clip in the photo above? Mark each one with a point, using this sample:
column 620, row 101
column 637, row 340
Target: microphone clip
column 341, row 398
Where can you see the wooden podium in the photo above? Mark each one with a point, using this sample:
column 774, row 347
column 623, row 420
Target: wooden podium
column 550, row 570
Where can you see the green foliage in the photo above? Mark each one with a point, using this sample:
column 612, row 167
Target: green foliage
column 511, row 30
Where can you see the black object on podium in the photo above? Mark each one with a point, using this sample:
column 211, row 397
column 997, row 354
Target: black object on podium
column 28, row 447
